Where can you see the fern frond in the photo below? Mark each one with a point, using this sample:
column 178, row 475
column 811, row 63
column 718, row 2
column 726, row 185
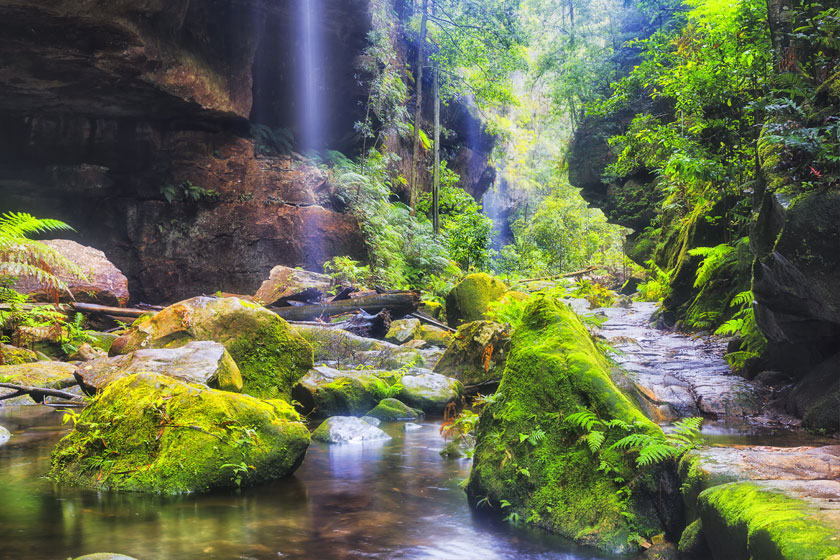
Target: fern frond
column 584, row 420
column 594, row 440
column 742, row 299
column 655, row 453
column 634, row 441
column 714, row 258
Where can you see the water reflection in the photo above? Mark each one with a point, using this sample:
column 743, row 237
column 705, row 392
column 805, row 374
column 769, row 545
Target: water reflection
column 386, row 499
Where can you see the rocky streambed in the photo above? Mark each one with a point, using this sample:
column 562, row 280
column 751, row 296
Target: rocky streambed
column 371, row 481
column 762, row 487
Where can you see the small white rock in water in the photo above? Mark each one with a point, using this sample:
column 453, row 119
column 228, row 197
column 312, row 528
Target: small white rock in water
column 4, row 435
column 412, row 426
column 372, row 421
column 347, row 429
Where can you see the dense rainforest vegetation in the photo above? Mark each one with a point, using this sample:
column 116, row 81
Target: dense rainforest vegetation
column 570, row 231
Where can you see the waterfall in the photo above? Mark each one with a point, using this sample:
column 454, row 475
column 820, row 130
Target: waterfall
column 311, row 69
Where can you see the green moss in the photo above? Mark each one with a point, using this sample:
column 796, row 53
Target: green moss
column 743, row 520
column 468, row 300
column 349, row 396
column 392, row 410
column 692, row 543
column 151, row 433
column 476, row 353
column 14, row 356
column 550, row 479
column 270, row 354
column 271, row 359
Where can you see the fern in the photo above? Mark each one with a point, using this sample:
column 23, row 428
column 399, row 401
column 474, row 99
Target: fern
column 584, row 420
column 595, row 439
column 714, row 258
column 21, row 256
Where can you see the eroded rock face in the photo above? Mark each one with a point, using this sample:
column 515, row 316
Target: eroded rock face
column 203, row 362
column 169, row 437
column 270, row 354
column 795, row 279
column 103, row 283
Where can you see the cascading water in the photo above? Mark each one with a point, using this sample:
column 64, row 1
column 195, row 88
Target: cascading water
column 310, row 77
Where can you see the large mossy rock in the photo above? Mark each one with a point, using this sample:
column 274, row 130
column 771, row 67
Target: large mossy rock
column 430, row 392
column 527, row 455
column 270, row 354
column 47, row 375
column 343, row 350
column 203, row 362
column 779, row 520
column 393, row 410
column 476, row 356
column 152, row 433
column 468, row 300
column 325, row 391
column 12, row 355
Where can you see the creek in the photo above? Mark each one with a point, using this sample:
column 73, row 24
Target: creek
column 393, row 499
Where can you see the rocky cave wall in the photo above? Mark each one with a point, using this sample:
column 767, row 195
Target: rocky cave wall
column 106, row 104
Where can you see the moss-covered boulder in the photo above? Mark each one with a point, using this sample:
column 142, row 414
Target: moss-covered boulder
column 468, row 300
column 330, row 392
column 343, row 350
column 48, row 375
column 152, row 433
column 393, row 410
column 403, row 330
column 430, row 392
column 12, row 355
column 781, row 520
column 476, row 356
column 527, row 455
column 204, row 362
column 435, row 336
column 347, row 429
column 270, row 354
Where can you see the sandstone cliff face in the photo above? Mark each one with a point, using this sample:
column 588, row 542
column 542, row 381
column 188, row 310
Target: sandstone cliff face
column 112, row 110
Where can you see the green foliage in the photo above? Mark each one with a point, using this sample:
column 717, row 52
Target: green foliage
column 348, row 272
column 21, row 256
column 186, row 191
column 743, row 325
column 649, row 449
column 272, row 141
column 596, row 294
column 507, row 310
column 657, row 285
column 403, row 249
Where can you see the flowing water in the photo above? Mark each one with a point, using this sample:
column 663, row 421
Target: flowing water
column 392, row 499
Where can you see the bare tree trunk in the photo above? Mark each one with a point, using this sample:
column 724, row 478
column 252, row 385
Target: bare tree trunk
column 418, row 108
column 436, row 181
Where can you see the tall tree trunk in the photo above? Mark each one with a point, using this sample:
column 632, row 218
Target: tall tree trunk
column 436, row 181
column 418, row 108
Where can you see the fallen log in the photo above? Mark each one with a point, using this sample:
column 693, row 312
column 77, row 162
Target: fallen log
column 592, row 268
column 430, row 321
column 38, row 394
column 398, row 304
column 105, row 310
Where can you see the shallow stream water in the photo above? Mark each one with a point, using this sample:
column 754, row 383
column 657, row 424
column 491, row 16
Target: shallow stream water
column 391, row 499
